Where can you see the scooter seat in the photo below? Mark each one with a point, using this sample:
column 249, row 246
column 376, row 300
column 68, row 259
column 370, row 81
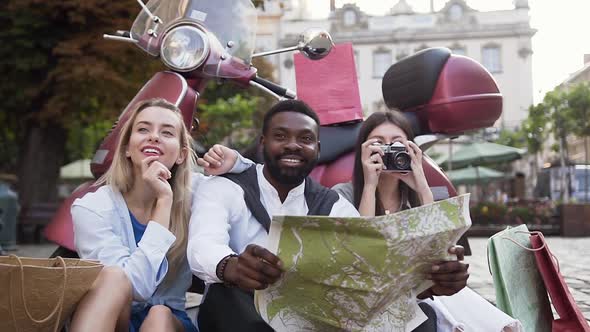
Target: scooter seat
column 337, row 140
column 446, row 93
column 411, row 81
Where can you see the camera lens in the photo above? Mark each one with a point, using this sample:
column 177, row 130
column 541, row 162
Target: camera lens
column 402, row 160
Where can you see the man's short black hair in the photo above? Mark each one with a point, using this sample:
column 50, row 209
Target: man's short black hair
column 297, row 106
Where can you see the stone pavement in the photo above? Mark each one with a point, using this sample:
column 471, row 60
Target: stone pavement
column 574, row 262
column 573, row 255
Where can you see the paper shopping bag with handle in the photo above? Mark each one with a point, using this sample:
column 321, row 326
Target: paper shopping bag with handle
column 38, row 294
column 571, row 318
column 520, row 291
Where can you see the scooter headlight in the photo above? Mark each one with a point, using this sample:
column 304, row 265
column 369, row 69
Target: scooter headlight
column 184, row 48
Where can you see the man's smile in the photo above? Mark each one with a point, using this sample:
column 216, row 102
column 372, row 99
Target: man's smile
column 291, row 161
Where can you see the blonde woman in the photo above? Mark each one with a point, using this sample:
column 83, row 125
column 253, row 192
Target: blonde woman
column 136, row 225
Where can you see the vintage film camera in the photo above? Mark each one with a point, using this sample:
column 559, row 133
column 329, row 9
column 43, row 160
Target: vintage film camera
column 396, row 158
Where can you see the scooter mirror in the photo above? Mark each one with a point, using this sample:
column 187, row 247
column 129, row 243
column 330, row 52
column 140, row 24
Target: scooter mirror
column 315, row 44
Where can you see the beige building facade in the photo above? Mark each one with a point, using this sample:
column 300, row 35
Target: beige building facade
column 500, row 40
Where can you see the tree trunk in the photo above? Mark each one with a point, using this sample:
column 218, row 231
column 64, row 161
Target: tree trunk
column 8, row 147
column 586, row 169
column 565, row 190
column 568, row 173
column 41, row 157
column 535, row 173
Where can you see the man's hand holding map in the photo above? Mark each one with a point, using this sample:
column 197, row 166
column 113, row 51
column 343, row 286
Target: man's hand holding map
column 358, row 274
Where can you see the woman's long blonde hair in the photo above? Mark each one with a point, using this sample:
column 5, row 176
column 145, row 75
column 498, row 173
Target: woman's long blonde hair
column 120, row 176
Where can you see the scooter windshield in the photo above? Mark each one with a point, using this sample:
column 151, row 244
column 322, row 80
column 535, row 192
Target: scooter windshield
column 231, row 22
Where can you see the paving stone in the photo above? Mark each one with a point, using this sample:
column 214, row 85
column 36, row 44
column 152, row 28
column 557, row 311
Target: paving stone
column 572, row 254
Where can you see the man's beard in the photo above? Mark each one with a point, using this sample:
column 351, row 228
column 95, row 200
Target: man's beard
column 288, row 176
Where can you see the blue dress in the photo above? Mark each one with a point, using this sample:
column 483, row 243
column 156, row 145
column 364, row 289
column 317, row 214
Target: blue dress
column 138, row 317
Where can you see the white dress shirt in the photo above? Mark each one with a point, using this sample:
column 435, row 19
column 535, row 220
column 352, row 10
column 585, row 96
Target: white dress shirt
column 221, row 224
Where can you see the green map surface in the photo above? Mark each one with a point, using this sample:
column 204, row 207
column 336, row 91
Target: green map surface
column 358, row 274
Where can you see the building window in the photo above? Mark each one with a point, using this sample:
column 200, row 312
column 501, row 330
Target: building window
column 349, row 18
column 491, row 58
column 456, row 12
column 382, row 59
column 458, row 50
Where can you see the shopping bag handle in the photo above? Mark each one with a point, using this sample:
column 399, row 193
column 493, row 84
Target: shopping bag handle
column 540, row 234
column 504, row 237
column 59, row 305
column 520, row 245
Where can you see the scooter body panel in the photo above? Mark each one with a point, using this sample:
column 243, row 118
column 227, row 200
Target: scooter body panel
column 466, row 97
column 337, row 171
column 61, row 228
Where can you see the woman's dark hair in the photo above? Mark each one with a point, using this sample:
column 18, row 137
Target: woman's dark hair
column 358, row 180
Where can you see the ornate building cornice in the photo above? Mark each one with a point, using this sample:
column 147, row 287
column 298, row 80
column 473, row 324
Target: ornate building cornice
column 425, row 35
column 349, row 18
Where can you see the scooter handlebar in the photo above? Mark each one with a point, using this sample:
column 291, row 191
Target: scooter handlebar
column 275, row 88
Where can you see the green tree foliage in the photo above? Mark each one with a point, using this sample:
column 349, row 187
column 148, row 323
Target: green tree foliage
column 83, row 140
column 560, row 117
column 535, row 128
column 214, row 110
column 61, row 75
column 563, row 112
column 509, row 137
column 579, row 102
column 534, row 133
column 60, row 67
column 578, row 99
column 61, row 82
column 561, row 125
column 230, row 121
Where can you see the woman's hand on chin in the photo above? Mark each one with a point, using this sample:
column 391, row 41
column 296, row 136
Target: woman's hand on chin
column 156, row 176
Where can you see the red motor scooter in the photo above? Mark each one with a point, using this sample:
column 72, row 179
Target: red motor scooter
column 443, row 94
column 198, row 40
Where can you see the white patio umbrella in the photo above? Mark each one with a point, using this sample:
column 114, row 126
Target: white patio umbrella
column 79, row 169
